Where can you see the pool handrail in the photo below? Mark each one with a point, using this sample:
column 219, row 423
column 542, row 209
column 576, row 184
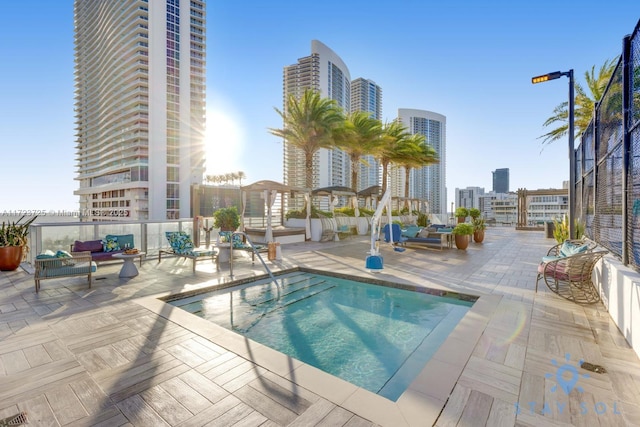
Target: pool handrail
column 255, row 252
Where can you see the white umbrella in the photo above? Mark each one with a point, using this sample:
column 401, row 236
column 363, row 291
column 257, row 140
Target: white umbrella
column 307, row 222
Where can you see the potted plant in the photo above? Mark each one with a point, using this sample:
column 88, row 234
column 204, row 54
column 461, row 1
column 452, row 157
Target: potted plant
column 474, row 213
column 13, row 243
column 226, row 219
column 462, row 231
column 478, row 229
column 461, row 214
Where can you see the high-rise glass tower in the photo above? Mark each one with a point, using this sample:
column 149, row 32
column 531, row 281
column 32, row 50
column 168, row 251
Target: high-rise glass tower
column 501, row 180
column 139, row 106
column 427, row 183
column 325, row 72
column 366, row 95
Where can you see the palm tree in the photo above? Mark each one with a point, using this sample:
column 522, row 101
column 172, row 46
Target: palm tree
column 360, row 135
column 413, row 152
column 241, row 176
column 584, row 103
column 309, row 125
column 393, row 135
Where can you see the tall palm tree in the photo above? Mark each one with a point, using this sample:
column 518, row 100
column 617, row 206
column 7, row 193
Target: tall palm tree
column 413, row 152
column 241, row 176
column 360, row 135
column 584, row 103
column 393, row 134
column 309, row 125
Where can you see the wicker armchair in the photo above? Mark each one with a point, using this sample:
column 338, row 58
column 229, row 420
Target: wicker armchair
column 571, row 276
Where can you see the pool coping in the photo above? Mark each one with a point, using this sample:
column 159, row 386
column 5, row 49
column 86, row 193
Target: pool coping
column 419, row 405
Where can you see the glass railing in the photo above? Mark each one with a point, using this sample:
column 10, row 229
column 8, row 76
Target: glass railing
column 148, row 236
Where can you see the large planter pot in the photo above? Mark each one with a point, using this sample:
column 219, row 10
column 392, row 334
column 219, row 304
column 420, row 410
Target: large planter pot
column 10, row 257
column 462, row 241
column 461, row 219
column 478, row 236
column 363, row 225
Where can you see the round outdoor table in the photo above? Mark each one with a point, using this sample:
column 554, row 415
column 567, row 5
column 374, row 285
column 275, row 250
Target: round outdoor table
column 129, row 268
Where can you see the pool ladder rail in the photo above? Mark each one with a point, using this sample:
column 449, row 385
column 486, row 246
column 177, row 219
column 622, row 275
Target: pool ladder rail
column 255, row 252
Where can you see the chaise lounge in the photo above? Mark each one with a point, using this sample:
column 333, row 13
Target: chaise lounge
column 182, row 246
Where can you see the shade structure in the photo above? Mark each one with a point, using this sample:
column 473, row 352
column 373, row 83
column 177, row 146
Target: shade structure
column 333, row 193
column 269, row 191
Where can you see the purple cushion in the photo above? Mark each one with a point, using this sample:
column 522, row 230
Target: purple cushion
column 103, row 256
column 89, row 245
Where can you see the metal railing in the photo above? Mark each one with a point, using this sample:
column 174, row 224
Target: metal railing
column 607, row 190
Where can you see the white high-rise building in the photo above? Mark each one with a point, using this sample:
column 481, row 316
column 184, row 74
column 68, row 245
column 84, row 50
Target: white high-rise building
column 325, row 72
column 139, row 106
column 427, row 183
column 366, row 95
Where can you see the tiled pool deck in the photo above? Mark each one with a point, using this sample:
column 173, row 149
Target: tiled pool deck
column 111, row 355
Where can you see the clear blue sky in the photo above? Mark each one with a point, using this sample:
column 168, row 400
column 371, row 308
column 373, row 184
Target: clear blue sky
column 469, row 60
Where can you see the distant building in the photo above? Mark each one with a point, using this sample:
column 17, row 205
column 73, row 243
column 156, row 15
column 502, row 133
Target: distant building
column 325, row 72
column 366, row 95
column 501, row 180
column 500, row 208
column 427, row 183
column 468, row 197
column 139, row 107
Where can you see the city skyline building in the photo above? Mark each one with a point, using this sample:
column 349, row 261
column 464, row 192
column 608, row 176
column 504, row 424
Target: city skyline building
column 468, row 197
column 366, row 95
column 429, row 182
column 500, row 180
column 325, row 72
column 139, row 107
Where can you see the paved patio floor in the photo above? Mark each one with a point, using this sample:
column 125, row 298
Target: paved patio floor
column 110, row 355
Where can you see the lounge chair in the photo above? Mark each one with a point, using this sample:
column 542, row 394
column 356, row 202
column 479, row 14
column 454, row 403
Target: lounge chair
column 567, row 271
column 182, row 246
column 240, row 245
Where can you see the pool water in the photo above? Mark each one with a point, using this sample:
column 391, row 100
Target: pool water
column 376, row 337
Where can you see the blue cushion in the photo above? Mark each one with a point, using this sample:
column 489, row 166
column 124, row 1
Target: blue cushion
column 180, row 242
column 122, row 239
column 568, row 248
column 110, row 244
column 411, row 231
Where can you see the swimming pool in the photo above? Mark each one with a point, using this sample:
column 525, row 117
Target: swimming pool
column 376, row 337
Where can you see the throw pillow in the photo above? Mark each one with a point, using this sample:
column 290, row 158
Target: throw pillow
column 424, row 233
column 110, row 244
column 569, row 248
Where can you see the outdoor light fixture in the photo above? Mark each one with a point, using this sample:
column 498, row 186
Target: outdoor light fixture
column 572, row 158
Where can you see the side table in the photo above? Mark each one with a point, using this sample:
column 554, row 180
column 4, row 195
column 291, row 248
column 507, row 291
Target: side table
column 129, row 268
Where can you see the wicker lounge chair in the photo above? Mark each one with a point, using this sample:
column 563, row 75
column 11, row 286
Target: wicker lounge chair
column 571, row 276
column 182, row 246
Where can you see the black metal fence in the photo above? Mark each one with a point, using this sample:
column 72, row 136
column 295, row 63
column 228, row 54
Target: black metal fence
column 607, row 191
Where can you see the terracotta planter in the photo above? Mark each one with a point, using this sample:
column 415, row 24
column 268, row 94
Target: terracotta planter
column 478, row 236
column 10, row 257
column 462, row 241
column 461, row 219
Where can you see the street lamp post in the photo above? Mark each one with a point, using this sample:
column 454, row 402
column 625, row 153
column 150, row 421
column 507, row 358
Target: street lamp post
column 572, row 157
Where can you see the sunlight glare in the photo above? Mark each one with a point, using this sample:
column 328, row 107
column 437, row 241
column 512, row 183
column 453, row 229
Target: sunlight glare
column 224, row 143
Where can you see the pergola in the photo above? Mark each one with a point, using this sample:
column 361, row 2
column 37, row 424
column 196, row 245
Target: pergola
column 269, row 192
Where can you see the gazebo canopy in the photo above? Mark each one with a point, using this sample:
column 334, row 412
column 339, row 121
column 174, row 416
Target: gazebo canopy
column 374, row 190
column 333, row 191
column 272, row 185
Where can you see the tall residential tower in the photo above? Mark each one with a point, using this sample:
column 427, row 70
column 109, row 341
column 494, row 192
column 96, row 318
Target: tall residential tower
column 139, row 106
column 366, row 95
column 427, row 183
column 325, row 72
